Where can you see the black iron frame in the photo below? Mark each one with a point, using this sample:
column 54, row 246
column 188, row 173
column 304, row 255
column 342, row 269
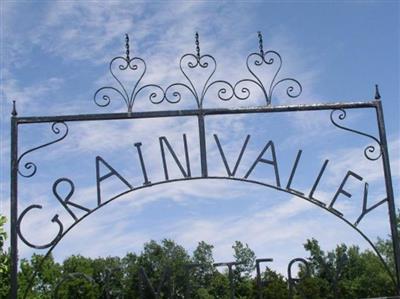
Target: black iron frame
column 228, row 91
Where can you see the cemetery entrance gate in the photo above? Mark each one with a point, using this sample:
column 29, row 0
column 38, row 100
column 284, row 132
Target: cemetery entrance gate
column 225, row 91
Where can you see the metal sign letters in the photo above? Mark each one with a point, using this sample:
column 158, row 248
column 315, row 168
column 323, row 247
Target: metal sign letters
column 22, row 166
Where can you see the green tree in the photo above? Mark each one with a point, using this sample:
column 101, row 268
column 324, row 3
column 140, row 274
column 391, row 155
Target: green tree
column 246, row 258
column 203, row 270
column 158, row 261
column 131, row 275
column 108, row 275
column 4, row 261
column 344, row 273
column 77, row 279
column 274, row 285
column 219, row 287
column 38, row 277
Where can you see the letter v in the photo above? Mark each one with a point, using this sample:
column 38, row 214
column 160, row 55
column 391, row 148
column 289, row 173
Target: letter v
column 228, row 170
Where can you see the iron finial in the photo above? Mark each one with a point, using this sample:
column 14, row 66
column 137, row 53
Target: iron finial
column 127, row 46
column 14, row 110
column 377, row 94
column 260, row 42
column 197, row 45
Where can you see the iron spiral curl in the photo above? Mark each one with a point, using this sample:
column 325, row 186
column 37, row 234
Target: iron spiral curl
column 190, row 65
column 224, row 93
column 370, row 149
column 30, row 167
column 204, row 62
column 269, row 58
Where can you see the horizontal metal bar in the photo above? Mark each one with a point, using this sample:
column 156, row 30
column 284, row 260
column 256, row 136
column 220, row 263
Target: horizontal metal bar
column 193, row 112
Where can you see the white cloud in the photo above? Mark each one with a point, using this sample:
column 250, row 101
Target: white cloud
column 84, row 32
column 28, row 97
column 279, row 223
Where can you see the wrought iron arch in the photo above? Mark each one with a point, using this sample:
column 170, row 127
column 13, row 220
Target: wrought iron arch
column 226, row 91
column 53, row 244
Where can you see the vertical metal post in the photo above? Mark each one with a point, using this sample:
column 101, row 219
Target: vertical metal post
column 231, row 283
column 389, row 191
column 203, row 149
column 260, row 283
column 14, row 206
column 230, row 276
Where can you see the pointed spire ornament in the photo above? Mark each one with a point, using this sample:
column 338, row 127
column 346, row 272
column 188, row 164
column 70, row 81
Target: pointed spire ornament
column 377, row 94
column 14, row 110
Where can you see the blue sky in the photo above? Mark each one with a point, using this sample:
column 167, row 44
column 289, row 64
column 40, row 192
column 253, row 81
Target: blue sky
column 55, row 55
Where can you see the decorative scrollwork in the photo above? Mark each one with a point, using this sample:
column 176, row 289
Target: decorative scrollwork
column 225, row 93
column 370, row 149
column 198, row 71
column 205, row 62
column 268, row 58
column 44, row 246
column 59, row 128
column 123, row 68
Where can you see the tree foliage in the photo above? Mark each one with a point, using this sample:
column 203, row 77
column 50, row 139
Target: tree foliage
column 166, row 270
column 4, row 261
column 345, row 273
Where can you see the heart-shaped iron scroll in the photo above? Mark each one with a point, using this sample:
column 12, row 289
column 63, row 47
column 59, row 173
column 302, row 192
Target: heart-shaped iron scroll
column 198, row 71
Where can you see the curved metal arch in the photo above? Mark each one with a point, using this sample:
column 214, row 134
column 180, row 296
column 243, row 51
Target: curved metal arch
column 212, row 178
